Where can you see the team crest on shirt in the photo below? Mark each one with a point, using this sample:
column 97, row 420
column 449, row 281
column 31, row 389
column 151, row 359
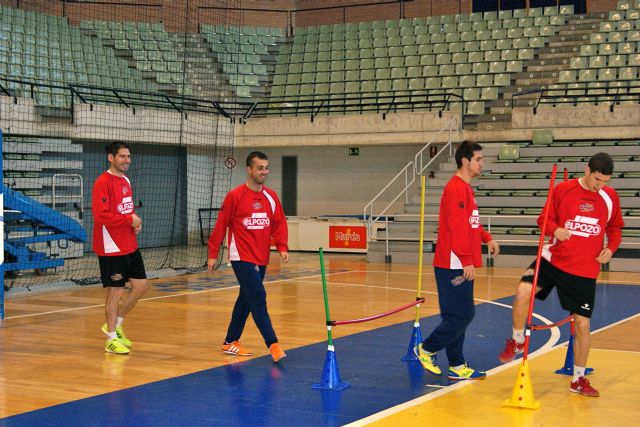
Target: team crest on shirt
column 586, row 207
column 125, row 190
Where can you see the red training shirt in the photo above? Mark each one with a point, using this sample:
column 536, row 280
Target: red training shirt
column 252, row 217
column 460, row 234
column 588, row 216
column 112, row 206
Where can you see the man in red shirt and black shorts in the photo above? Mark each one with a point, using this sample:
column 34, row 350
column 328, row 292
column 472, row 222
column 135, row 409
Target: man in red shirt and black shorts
column 115, row 226
column 253, row 215
column 581, row 213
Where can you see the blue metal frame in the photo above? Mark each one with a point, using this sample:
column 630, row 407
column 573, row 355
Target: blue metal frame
column 47, row 225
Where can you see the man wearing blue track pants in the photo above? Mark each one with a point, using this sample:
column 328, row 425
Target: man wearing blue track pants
column 458, row 252
column 253, row 215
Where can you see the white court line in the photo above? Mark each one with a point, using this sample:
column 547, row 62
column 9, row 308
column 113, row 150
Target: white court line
column 179, row 294
column 501, row 276
column 544, row 349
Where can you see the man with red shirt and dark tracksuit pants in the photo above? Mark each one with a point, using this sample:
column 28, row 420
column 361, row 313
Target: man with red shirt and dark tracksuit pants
column 458, row 252
column 581, row 213
column 115, row 226
column 253, row 214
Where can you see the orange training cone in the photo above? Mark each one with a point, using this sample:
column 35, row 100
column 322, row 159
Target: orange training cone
column 522, row 396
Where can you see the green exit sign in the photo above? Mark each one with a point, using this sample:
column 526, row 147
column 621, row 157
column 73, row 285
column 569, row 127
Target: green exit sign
column 354, row 151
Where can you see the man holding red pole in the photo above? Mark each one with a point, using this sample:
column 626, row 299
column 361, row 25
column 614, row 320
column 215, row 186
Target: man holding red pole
column 582, row 211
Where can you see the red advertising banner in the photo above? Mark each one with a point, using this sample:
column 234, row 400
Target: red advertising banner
column 347, row 237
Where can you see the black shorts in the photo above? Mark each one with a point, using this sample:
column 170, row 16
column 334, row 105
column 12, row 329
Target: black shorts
column 577, row 294
column 116, row 270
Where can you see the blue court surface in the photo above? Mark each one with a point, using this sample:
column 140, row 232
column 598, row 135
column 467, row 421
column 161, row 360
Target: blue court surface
column 258, row 392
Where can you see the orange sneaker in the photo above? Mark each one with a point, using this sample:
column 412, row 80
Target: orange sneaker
column 235, row 348
column 276, row 352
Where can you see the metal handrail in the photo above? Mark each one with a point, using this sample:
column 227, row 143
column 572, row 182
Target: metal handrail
column 409, row 172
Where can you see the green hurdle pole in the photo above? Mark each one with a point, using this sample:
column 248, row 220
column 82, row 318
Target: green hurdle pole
column 326, row 297
column 330, row 379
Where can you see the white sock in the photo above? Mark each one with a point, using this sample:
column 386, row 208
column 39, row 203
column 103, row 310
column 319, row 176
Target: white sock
column 518, row 336
column 578, row 371
column 119, row 321
column 111, row 336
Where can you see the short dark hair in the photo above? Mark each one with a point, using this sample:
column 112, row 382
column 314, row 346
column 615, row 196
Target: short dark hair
column 465, row 151
column 115, row 146
column 601, row 162
column 255, row 154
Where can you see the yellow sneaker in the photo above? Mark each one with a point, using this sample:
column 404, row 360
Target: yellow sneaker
column 115, row 346
column 428, row 360
column 466, row 373
column 120, row 333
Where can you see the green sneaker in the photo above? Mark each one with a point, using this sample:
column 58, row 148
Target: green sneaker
column 115, row 346
column 427, row 359
column 466, row 373
column 120, row 333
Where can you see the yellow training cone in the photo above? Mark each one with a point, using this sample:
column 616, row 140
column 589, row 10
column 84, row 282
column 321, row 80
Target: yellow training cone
column 522, row 396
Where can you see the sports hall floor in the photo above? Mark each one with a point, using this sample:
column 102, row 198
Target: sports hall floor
column 53, row 370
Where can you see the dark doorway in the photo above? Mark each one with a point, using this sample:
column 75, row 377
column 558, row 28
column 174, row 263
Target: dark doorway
column 290, row 185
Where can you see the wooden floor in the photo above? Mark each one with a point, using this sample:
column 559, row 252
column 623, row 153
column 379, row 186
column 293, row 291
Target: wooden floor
column 51, row 346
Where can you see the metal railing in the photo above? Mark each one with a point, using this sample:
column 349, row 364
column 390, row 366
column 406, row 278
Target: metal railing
column 408, row 174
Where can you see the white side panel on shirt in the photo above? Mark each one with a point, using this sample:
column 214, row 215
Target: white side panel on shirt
column 234, row 255
column 109, row 245
column 271, row 201
column 608, row 202
column 454, row 262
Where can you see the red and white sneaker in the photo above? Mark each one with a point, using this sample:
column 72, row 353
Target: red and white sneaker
column 583, row 387
column 511, row 350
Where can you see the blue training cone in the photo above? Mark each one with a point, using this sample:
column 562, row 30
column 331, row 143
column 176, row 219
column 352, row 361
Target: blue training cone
column 416, row 338
column 567, row 369
column 330, row 374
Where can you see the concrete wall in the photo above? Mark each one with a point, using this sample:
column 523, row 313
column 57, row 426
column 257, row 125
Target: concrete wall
column 369, row 129
column 330, row 182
